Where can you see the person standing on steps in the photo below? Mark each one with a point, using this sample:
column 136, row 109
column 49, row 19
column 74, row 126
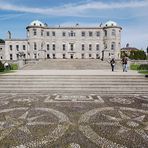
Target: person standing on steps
column 112, row 62
column 124, row 64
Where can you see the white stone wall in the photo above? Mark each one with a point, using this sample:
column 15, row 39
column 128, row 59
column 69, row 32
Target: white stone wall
column 42, row 40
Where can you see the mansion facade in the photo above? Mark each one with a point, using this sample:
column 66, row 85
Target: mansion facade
column 44, row 42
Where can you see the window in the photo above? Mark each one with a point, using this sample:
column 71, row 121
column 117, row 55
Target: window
column 97, row 56
column 35, row 46
column 64, row 56
column 105, row 46
column 10, row 47
column 47, row 46
column 89, row 55
column 105, row 32
column 11, row 57
column 90, row 46
column 17, row 47
column 82, row 55
column 42, row 45
column 47, row 33
column 98, row 33
column 0, row 49
column 35, row 56
column 24, row 47
column 42, row 32
column 17, row 56
column 24, row 56
column 63, row 33
column 97, row 46
column 90, row 33
column 72, row 33
column 83, row 47
column 113, row 32
column 113, row 46
column 1, row 57
column 71, row 47
column 71, row 56
column 53, row 46
column 83, row 33
column 48, row 56
column 34, row 32
column 53, row 56
column 64, row 47
column 53, row 33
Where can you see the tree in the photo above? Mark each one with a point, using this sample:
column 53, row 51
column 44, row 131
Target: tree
column 137, row 55
column 2, row 41
column 123, row 54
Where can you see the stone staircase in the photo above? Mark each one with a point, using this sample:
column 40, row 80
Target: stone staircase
column 70, row 64
column 74, row 84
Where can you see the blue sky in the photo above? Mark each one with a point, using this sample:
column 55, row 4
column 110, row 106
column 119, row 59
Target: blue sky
column 132, row 15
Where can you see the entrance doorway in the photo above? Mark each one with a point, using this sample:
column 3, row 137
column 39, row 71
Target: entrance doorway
column 71, row 56
column 48, row 57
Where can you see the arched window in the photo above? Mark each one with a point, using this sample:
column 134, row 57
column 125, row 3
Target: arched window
column 105, row 32
column 34, row 32
column 113, row 46
column 113, row 32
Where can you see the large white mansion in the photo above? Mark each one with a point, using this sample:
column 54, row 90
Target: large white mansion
column 44, row 42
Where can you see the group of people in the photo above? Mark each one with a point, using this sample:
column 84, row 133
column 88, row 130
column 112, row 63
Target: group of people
column 124, row 64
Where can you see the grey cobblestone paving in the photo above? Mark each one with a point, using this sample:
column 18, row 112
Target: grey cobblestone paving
column 60, row 121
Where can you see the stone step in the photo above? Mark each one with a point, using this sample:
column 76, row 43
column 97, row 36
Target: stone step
column 76, row 87
column 72, row 76
column 71, row 64
column 72, row 83
column 76, row 84
column 76, row 92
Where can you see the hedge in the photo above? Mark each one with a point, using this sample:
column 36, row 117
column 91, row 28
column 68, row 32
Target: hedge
column 143, row 67
column 1, row 67
column 14, row 67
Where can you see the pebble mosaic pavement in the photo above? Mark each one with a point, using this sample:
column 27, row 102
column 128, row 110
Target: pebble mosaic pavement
column 55, row 121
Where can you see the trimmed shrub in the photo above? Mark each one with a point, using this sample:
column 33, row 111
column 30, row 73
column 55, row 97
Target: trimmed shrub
column 134, row 66
column 14, row 67
column 1, row 67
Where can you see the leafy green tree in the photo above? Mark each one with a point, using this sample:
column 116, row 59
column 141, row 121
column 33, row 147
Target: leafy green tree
column 137, row 55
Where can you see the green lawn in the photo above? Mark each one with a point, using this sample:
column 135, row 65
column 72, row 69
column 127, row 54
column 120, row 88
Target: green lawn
column 137, row 68
column 144, row 72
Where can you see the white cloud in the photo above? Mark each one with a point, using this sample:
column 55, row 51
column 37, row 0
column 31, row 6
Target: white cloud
column 10, row 16
column 79, row 9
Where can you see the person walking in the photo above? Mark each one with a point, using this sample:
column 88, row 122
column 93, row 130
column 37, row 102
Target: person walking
column 124, row 64
column 112, row 62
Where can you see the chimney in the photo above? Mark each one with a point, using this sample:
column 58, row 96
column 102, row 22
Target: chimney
column 127, row 45
column 9, row 35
